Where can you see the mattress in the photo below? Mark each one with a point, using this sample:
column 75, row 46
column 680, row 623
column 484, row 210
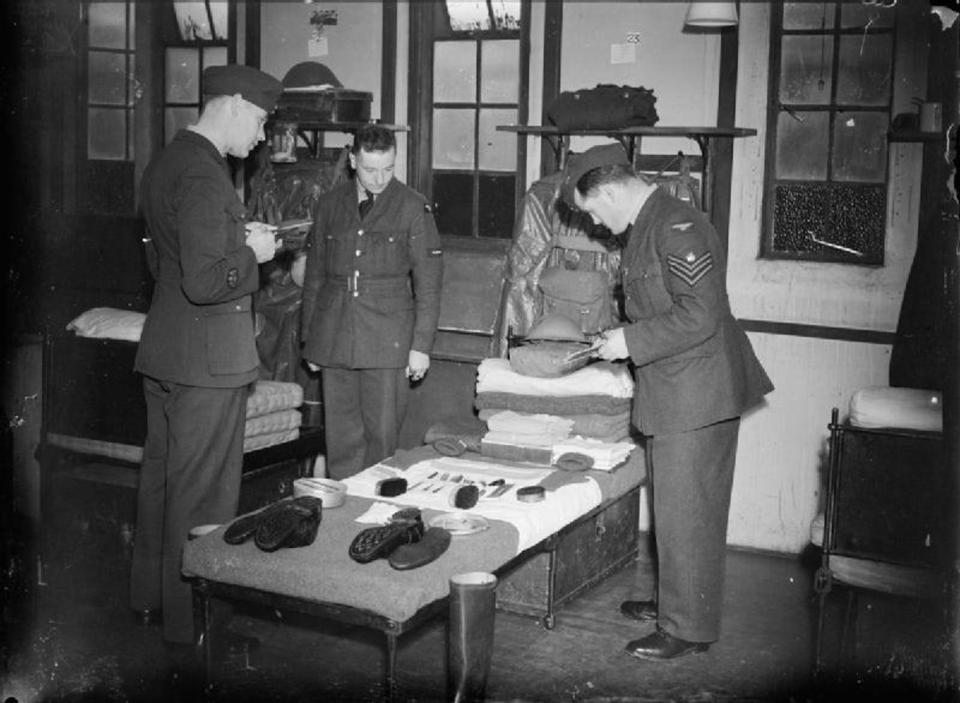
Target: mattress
column 904, row 408
column 272, row 418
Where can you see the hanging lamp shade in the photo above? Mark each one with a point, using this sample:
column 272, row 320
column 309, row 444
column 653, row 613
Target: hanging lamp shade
column 711, row 14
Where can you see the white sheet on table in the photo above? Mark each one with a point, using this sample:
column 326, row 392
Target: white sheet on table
column 533, row 521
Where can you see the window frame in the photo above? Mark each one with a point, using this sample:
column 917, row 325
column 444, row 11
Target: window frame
column 775, row 108
column 425, row 31
column 101, row 180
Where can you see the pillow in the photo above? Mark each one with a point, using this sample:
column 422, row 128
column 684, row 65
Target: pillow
column 906, row 408
column 109, row 323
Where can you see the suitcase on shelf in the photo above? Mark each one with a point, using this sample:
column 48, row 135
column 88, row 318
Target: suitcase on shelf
column 330, row 105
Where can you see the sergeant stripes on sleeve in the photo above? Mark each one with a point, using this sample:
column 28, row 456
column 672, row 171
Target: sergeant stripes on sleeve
column 690, row 269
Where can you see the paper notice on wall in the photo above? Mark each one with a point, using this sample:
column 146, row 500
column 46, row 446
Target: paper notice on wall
column 317, row 46
column 623, row 53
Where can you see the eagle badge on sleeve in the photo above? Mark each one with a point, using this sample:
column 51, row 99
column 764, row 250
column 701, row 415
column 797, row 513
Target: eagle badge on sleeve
column 690, row 268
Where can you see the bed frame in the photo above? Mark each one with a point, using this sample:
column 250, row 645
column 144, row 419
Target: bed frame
column 94, row 423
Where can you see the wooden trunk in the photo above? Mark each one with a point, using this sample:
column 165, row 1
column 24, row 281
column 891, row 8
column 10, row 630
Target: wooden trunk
column 577, row 558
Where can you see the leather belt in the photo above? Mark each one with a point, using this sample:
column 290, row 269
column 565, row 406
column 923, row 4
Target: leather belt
column 357, row 281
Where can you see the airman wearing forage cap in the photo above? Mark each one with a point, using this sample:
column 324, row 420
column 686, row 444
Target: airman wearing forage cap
column 695, row 374
column 197, row 352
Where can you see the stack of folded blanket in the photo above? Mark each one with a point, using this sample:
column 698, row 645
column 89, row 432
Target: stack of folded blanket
column 272, row 414
column 594, row 402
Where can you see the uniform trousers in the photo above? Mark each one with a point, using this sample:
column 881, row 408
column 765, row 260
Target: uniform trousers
column 190, row 476
column 362, row 412
column 691, row 481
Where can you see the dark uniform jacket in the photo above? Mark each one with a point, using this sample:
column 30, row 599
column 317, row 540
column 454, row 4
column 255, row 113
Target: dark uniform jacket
column 199, row 329
column 371, row 290
column 694, row 364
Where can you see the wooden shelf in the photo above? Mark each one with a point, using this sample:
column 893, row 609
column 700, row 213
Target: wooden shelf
column 631, row 137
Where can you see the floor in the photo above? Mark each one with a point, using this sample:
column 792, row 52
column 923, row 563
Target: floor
column 68, row 636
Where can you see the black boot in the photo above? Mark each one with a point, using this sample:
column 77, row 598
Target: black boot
column 473, row 599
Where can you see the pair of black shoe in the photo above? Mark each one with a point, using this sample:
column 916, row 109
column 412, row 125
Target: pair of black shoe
column 660, row 645
column 403, row 541
column 291, row 522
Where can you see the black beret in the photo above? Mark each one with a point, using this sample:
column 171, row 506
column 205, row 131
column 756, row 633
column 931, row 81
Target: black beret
column 253, row 85
column 579, row 164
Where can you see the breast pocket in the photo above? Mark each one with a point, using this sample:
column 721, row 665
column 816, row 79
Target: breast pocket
column 388, row 253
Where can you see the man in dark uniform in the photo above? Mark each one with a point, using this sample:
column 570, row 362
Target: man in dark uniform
column 197, row 352
column 371, row 300
column 695, row 373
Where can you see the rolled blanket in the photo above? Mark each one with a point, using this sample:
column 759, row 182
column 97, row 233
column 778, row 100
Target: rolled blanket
column 569, row 405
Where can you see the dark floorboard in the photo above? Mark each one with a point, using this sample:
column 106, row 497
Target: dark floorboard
column 71, row 638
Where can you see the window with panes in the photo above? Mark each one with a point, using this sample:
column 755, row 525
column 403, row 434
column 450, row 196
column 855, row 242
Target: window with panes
column 477, row 84
column 202, row 38
column 107, row 164
column 831, row 91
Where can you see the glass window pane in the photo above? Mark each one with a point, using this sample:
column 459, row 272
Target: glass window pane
column 132, row 27
column 860, row 146
column 506, row 14
column 453, row 203
column 215, row 56
column 182, row 76
column 806, row 70
column 131, row 151
column 859, row 15
column 107, row 78
column 106, row 133
column 220, row 26
column 808, row 15
column 468, row 15
column 500, row 71
column 802, row 142
column 498, row 150
column 176, row 118
column 863, row 77
column 455, row 71
column 135, row 88
column 496, row 209
column 453, row 133
column 193, row 21
column 108, row 25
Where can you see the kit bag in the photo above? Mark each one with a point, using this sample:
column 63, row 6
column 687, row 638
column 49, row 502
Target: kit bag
column 606, row 106
column 575, row 284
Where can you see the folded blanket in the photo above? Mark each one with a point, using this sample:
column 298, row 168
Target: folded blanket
column 570, row 405
column 537, row 424
column 278, row 421
column 270, row 396
column 607, row 427
column 602, row 378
